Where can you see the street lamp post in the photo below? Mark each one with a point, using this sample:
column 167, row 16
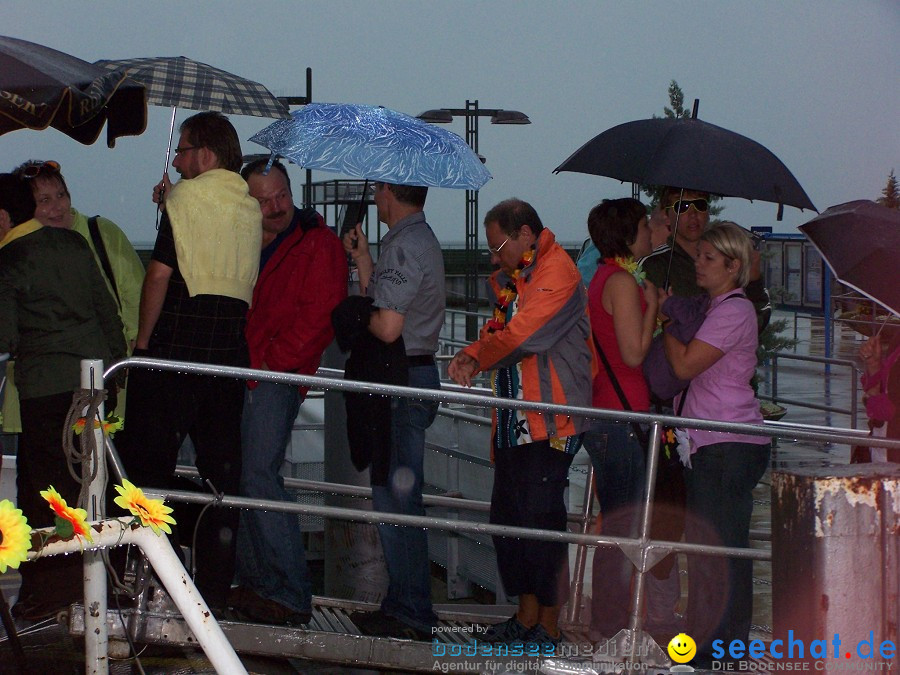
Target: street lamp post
column 303, row 100
column 472, row 113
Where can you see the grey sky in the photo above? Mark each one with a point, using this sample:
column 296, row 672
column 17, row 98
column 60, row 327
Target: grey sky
column 815, row 81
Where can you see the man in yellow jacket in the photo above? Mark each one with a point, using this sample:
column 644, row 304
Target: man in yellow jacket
column 537, row 347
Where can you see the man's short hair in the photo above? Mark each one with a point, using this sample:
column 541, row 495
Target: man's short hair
column 408, row 194
column 512, row 214
column 613, row 225
column 213, row 130
column 258, row 167
column 16, row 198
column 44, row 172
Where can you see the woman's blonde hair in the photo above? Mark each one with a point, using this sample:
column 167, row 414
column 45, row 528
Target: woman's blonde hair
column 732, row 241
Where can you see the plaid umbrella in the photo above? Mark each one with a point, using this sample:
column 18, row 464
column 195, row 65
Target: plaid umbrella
column 41, row 87
column 182, row 83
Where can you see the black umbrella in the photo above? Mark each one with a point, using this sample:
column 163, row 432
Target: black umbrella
column 860, row 242
column 690, row 154
column 41, row 87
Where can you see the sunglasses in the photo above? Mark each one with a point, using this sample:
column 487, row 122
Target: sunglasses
column 34, row 170
column 682, row 205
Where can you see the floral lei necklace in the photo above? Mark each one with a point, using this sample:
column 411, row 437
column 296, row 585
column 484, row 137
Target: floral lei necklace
column 508, row 294
column 630, row 265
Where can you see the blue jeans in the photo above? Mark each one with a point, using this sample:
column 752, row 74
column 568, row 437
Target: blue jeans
column 719, row 502
column 271, row 558
column 406, row 549
column 619, row 476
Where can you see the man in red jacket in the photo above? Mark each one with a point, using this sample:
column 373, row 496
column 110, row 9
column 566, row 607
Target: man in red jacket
column 302, row 277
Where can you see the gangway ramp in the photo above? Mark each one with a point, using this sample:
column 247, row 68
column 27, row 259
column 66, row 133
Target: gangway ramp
column 331, row 637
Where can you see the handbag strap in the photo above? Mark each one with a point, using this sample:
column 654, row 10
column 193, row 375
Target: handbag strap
column 100, row 248
column 642, row 437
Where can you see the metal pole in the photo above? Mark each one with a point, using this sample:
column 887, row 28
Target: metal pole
column 577, row 591
column 307, row 189
column 827, row 314
column 471, row 254
column 96, row 634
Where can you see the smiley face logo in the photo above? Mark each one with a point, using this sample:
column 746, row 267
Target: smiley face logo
column 682, row 648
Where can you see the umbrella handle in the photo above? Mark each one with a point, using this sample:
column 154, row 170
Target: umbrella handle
column 674, row 235
column 350, row 224
column 168, row 155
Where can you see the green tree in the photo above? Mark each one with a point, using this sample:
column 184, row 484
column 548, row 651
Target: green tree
column 676, row 100
column 676, row 109
column 890, row 195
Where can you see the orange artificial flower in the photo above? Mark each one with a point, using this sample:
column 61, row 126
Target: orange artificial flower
column 111, row 425
column 67, row 518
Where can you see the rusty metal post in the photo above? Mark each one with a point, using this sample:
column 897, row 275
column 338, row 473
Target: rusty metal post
column 835, row 555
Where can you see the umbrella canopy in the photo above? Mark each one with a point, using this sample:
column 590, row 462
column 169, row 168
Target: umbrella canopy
column 376, row 144
column 860, row 242
column 41, row 87
column 691, row 154
column 179, row 82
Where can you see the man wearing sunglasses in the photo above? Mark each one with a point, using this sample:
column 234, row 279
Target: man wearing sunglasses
column 673, row 265
column 688, row 215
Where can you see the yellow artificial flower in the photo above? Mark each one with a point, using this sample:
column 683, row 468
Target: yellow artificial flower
column 631, row 266
column 151, row 512
column 76, row 518
column 15, row 536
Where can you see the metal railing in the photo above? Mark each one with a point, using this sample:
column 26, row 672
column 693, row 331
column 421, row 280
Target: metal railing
column 642, row 550
column 852, row 411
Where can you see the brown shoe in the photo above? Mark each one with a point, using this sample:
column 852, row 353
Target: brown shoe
column 249, row 606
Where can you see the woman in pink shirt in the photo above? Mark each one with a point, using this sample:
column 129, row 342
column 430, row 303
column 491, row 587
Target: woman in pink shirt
column 724, row 467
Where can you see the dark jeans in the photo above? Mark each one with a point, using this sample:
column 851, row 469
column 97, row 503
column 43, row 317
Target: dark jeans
column 163, row 408
column 40, row 463
column 406, row 548
column 720, row 502
column 271, row 559
column 529, row 491
column 618, row 460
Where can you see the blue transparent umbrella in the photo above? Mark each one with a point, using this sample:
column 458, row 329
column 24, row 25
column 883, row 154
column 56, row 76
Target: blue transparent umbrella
column 377, row 144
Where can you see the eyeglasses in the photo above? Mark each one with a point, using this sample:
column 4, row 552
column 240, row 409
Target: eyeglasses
column 496, row 251
column 682, row 205
column 178, row 151
column 34, row 170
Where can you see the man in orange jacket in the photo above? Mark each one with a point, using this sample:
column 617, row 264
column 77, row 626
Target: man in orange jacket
column 537, row 346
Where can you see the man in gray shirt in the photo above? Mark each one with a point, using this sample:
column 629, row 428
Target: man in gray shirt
column 407, row 286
